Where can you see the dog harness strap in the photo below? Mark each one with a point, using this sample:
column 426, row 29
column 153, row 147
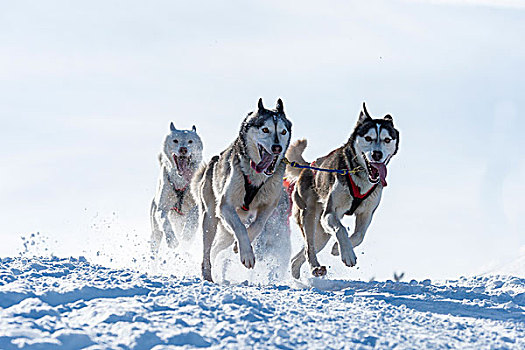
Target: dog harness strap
column 251, row 192
column 358, row 198
column 180, row 192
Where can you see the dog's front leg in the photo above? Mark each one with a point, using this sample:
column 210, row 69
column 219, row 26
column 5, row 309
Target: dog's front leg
column 167, row 227
column 263, row 213
column 190, row 226
column 333, row 225
column 362, row 221
column 331, row 222
column 256, row 227
column 234, row 224
column 163, row 211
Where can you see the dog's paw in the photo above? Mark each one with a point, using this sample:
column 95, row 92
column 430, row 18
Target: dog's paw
column 335, row 249
column 247, row 257
column 319, row 271
column 347, row 255
column 235, row 247
column 206, row 275
column 206, row 272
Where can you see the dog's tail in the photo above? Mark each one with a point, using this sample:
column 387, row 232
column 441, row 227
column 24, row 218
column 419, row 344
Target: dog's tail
column 198, row 178
column 295, row 154
column 195, row 182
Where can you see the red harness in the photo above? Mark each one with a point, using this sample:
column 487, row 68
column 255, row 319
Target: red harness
column 355, row 190
column 180, row 192
column 250, row 193
column 358, row 198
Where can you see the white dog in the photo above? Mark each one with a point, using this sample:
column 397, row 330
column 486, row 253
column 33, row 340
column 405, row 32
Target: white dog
column 173, row 210
column 238, row 190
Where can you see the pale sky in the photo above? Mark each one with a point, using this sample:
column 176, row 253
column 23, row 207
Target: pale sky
column 89, row 89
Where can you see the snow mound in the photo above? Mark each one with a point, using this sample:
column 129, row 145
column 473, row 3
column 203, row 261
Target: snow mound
column 70, row 303
column 513, row 268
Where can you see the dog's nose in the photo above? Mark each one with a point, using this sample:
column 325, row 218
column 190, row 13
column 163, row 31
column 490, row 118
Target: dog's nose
column 277, row 149
column 183, row 151
column 377, row 155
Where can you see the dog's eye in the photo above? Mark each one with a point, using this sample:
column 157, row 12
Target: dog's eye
column 387, row 140
column 265, row 130
column 176, row 141
column 190, row 141
column 368, row 139
column 283, row 132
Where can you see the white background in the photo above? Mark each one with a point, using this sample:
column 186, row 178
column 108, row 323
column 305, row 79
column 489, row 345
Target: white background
column 87, row 91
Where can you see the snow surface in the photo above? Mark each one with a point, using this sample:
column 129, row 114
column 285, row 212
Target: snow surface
column 51, row 302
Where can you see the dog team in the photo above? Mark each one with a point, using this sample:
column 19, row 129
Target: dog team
column 260, row 180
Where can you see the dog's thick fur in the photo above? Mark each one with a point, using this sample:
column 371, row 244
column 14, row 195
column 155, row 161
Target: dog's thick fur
column 321, row 199
column 173, row 210
column 220, row 189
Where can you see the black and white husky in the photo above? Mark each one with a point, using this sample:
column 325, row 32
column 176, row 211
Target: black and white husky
column 173, row 210
column 321, row 199
column 238, row 190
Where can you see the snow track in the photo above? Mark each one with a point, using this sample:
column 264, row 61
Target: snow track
column 70, row 303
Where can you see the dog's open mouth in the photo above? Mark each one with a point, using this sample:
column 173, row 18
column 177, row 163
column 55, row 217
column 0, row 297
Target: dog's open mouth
column 182, row 163
column 376, row 171
column 267, row 163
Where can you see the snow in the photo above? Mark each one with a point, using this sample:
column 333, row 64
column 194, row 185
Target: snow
column 51, row 302
column 515, row 267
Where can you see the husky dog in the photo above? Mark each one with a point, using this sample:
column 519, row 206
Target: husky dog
column 321, row 199
column 238, row 190
column 173, row 210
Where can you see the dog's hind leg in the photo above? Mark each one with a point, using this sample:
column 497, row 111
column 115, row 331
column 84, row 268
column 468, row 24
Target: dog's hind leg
column 209, row 229
column 310, row 228
column 205, row 197
column 298, row 261
column 319, row 242
column 222, row 241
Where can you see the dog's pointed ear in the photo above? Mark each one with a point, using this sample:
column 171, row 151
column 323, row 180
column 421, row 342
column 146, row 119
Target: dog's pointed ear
column 193, row 128
column 279, row 106
column 363, row 115
column 260, row 105
column 172, row 127
column 388, row 118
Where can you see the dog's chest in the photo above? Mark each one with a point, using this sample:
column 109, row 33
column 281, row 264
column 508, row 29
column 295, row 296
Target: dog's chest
column 357, row 206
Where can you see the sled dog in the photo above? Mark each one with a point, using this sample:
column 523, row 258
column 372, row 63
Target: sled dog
column 173, row 210
column 321, row 199
column 238, row 190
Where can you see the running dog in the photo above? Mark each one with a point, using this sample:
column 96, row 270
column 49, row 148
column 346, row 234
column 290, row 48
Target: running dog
column 238, row 190
column 321, row 199
column 173, row 210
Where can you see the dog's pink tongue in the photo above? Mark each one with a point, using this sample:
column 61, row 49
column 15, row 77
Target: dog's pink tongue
column 264, row 163
column 182, row 164
column 381, row 168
